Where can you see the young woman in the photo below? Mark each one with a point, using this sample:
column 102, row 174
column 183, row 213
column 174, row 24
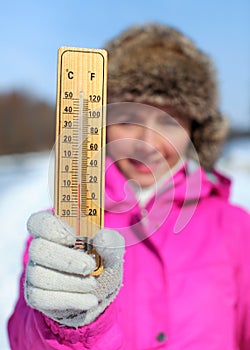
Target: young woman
column 183, row 282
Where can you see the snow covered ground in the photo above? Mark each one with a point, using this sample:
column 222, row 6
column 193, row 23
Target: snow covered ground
column 24, row 189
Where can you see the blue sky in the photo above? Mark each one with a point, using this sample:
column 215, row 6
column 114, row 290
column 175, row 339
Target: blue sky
column 32, row 31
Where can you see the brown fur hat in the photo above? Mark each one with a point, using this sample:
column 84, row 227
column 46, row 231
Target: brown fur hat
column 157, row 64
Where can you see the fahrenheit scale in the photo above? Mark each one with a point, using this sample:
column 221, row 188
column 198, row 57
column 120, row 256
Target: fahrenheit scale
column 80, row 143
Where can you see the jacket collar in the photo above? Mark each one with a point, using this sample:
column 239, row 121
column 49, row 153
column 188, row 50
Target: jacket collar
column 188, row 184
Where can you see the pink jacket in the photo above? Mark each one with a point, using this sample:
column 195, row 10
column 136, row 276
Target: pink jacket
column 186, row 274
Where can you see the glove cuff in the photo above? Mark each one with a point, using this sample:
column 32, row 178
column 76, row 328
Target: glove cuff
column 84, row 333
column 74, row 319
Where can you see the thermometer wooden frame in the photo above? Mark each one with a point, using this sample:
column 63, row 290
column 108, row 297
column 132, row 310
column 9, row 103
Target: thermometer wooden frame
column 80, row 143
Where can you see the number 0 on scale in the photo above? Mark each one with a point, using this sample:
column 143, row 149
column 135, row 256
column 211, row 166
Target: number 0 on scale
column 80, row 141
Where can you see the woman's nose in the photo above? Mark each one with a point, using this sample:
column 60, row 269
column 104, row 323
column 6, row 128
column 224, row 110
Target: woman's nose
column 149, row 135
column 147, row 140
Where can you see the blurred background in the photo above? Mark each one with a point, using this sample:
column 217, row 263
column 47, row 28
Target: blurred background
column 31, row 33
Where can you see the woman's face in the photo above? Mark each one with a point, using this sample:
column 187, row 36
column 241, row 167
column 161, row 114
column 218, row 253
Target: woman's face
column 144, row 141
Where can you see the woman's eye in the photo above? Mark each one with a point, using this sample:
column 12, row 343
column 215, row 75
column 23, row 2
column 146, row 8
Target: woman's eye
column 123, row 120
column 129, row 122
column 168, row 122
column 124, row 124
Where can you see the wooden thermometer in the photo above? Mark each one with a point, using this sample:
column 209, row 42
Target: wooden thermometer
column 80, row 143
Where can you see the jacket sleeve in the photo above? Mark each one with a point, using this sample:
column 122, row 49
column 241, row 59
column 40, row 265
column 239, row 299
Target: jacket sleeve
column 30, row 329
column 242, row 245
column 237, row 231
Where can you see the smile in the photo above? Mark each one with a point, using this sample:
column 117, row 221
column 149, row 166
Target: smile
column 145, row 166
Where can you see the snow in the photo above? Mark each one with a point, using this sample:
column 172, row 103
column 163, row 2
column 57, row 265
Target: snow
column 23, row 189
column 235, row 163
column 26, row 186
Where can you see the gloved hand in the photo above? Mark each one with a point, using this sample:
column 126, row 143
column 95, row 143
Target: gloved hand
column 58, row 281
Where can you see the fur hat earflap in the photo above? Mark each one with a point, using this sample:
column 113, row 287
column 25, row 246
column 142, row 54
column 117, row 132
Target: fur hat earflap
column 158, row 65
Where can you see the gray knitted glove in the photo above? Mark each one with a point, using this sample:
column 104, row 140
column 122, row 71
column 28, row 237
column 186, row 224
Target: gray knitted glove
column 58, row 281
